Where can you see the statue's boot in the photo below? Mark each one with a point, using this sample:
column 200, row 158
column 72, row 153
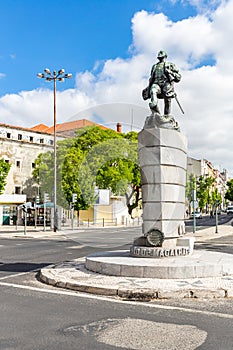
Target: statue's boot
column 154, row 107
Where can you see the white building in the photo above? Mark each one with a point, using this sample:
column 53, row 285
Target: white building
column 20, row 147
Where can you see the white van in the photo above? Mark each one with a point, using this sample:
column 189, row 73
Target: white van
column 230, row 209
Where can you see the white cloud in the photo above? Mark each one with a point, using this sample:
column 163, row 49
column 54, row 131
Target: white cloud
column 28, row 108
column 205, row 92
column 2, row 75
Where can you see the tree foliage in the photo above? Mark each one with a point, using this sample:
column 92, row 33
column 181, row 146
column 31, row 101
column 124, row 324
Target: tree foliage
column 190, row 185
column 4, row 170
column 94, row 158
column 204, row 191
column 215, row 198
column 229, row 192
column 113, row 164
column 43, row 172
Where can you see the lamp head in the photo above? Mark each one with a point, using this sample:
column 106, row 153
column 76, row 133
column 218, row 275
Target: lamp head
column 61, row 71
column 68, row 76
column 47, row 71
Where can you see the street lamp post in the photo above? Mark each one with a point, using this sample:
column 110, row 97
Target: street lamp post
column 60, row 76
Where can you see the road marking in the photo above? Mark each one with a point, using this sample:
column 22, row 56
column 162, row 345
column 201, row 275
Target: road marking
column 98, row 297
column 18, row 274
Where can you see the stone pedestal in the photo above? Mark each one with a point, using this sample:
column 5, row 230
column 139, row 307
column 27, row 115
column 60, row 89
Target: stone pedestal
column 163, row 161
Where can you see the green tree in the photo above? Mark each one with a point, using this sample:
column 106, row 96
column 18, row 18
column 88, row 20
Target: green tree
column 216, row 198
column 113, row 164
column 190, row 186
column 70, row 179
column 76, row 177
column 43, row 172
column 229, row 192
column 94, row 158
column 204, row 190
column 4, row 170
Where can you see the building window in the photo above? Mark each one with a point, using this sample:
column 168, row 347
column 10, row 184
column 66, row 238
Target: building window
column 51, row 142
column 6, row 160
column 20, row 137
column 41, row 140
column 33, row 165
column 17, row 190
column 8, row 135
column 31, row 138
column 18, row 163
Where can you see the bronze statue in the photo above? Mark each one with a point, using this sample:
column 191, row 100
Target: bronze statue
column 161, row 84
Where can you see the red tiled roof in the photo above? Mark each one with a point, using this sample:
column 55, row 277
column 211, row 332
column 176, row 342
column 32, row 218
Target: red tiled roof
column 39, row 127
column 67, row 126
column 77, row 124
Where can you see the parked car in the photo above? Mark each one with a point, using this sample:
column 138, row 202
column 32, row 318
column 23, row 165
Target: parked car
column 230, row 209
column 198, row 215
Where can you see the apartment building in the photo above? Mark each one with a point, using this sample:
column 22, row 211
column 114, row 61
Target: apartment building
column 203, row 167
column 20, row 147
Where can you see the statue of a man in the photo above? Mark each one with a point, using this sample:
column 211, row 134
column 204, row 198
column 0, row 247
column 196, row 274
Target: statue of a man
column 161, row 84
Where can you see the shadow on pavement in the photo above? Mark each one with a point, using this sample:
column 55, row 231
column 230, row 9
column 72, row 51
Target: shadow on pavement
column 21, row 266
column 220, row 248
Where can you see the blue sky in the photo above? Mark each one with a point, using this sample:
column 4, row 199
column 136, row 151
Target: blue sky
column 73, row 34
column 109, row 46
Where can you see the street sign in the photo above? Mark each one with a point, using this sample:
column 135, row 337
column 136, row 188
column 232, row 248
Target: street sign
column 46, row 197
column 74, row 197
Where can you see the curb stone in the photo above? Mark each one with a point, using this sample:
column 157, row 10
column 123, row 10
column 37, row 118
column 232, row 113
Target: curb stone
column 88, row 285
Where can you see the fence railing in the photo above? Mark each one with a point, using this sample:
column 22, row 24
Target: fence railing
column 102, row 222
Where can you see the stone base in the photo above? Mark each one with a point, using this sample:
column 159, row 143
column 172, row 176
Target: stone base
column 200, row 264
column 163, row 161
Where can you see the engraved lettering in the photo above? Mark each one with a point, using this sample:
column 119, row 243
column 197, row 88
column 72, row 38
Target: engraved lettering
column 172, row 252
column 161, row 253
column 166, row 252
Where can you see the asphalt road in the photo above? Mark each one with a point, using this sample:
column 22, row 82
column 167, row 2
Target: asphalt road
column 36, row 316
column 115, row 237
column 207, row 221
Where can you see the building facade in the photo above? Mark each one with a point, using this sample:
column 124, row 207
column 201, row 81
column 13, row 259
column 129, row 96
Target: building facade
column 203, row 167
column 20, row 147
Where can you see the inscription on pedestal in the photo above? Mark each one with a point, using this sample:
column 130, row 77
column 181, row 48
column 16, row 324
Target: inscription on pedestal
column 146, row 252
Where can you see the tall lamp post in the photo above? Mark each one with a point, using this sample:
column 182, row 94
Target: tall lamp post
column 60, row 76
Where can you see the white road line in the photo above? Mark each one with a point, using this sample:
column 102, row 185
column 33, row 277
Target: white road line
column 18, row 274
column 98, row 297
